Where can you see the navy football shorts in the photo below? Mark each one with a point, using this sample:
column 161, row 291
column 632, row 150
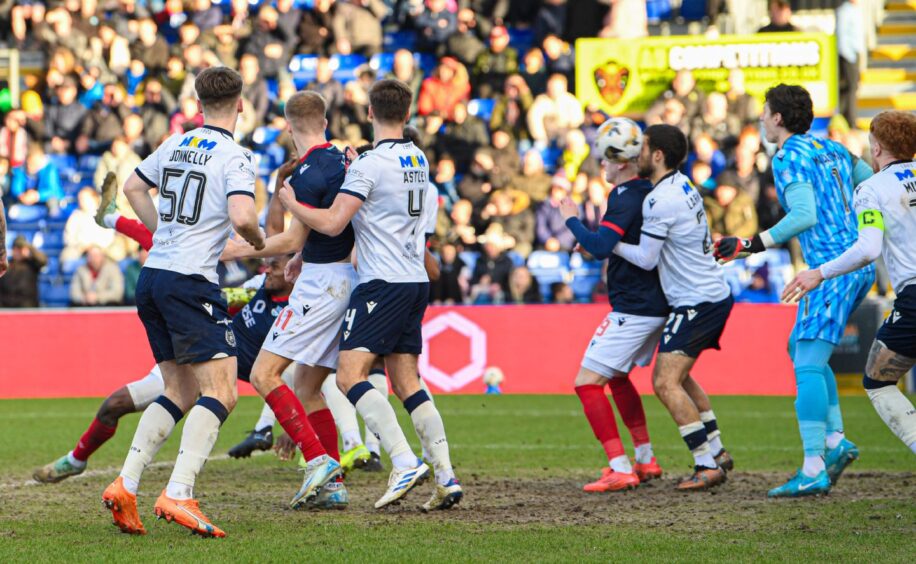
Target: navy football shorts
column 899, row 330
column 385, row 317
column 691, row 330
column 185, row 317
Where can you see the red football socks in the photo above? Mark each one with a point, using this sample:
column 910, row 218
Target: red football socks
column 629, row 404
column 94, row 437
column 292, row 418
column 601, row 417
column 136, row 231
column 323, row 423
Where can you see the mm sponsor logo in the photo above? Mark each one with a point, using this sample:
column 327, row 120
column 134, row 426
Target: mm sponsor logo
column 413, row 161
column 907, row 174
column 198, row 143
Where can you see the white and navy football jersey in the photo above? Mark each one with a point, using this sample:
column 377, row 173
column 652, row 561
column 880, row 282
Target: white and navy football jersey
column 392, row 179
column 887, row 201
column 673, row 212
column 195, row 173
column 431, row 209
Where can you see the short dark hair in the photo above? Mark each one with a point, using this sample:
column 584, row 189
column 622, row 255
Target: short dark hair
column 668, row 139
column 794, row 104
column 390, row 100
column 218, row 88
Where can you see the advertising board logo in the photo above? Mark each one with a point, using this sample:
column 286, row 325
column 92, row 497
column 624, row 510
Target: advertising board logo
column 611, row 79
column 476, row 341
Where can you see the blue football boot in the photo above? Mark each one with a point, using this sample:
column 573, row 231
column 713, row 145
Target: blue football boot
column 837, row 459
column 800, row 485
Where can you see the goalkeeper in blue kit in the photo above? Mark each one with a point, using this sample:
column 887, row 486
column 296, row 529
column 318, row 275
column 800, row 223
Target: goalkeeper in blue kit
column 815, row 179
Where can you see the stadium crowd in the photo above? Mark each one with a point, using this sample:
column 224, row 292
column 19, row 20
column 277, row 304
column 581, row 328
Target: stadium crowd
column 506, row 137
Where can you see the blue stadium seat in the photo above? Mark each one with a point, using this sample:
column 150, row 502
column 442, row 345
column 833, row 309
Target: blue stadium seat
column 88, row 163
column 71, row 188
column 66, row 164
column 303, row 68
column 263, row 137
column 586, row 275
column 517, row 259
column 49, row 241
column 469, row 258
column 658, row 10
column 273, row 89
column 550, row 156
column 404, row 39
column 382, row 63
column 693, row 10
column 345, row 66
column 521, row 39
column 427, row 62
column 20, row 214
column 53, row 266
column 547, row 268
column 583, row 286
column 54, row 294
column 482, row 108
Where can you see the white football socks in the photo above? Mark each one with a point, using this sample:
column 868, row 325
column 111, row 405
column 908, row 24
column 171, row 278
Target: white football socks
column 702, row 455
column 200, row 432
column 897, row 412
column 343, row 411
column 813, row 466
column 75, row 462
column 714, row 437
column 431, row 430
column 835, row 438
column 378, row 414
column 267, row 418
column 154, row 428
column 644, row 453
column 111, row 219
column 621, row 464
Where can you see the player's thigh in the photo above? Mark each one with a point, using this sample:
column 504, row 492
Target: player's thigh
column 586, row 377
column 621, row 342
column 145, row 391
column 671, row 369
column 411, row 340
column 154, row 323
column 267, row 372
column 403, row 373
column 217, row 379
column 690, row 330
column 377, row 316
column 353, row 367
column 198, row 320
column 308, row 381
column 179, row 384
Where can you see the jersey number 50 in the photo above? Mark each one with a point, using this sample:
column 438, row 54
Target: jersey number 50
column 194, row 184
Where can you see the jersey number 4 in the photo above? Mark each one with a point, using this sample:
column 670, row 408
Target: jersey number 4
column 415, row 199
column 191, row 191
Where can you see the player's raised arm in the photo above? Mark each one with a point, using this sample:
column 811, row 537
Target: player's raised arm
column 283, row 243
column 136, row 189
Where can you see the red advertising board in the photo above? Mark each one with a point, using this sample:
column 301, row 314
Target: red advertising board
column 79, row 353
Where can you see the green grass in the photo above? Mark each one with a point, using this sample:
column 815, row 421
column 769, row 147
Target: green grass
column 522, row 460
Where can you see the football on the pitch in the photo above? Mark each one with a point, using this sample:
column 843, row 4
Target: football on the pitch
column 618, row 138
column 493, row 376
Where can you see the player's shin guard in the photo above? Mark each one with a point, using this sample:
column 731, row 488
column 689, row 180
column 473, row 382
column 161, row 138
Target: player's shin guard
column 292, row 418
column 378, row 414
column 322, row 422
column 428, row 423
column 712, row 430
column 894, row 409
column 694, row 435
column 343, row 411
column 94, row 437
column 811, row 410
column 153, row 429
column 834, row 415
column 600, row 416
column 197, row 439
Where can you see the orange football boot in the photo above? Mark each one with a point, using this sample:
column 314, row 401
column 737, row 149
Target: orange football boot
column 123, row 506
column 611, row 481
column 186, row 512
column 648, row 471
column 703, row 479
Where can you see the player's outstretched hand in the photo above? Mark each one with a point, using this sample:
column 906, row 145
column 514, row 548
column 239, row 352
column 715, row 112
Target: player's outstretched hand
column 728, row 249
column 804, row 282
column 258, row 243
column 293, row 268
column 285, row 448
column 568, row 208
column 236, row 248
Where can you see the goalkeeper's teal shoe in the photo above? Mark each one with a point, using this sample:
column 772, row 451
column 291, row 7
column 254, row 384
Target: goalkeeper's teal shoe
column 58, row 470
column 800, row 485
column 356, row 457
column 839, row 458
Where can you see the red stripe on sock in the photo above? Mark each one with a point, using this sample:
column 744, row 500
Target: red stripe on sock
column 135, row 230
column 323, row 423
column 94, row 437
column 292, row 418
column 600, row 416
column 629, row 404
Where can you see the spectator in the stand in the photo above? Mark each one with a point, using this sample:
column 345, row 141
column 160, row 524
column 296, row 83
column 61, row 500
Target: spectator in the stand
column 627, row 19
column 132, row 275
column 288, row 18
column 206, row 16
column 188, row 34
column 452, row 284
column 575, row 153
column 701, row 174
column 59, row 32
column 759, row 290
column 463, row 136
column 81, row 231
column 729, row 210
column 404, row 68
column 748, row 175
column 430, row 126
column 92, row 87
column 684, row 90
column 187, row 118
column 554, row 113
column 326, row 85
column 741, row 104
column 561, row 293
column 707, row 150
column 477, row 183
column 533, row 179
column 558, row 57
column 715, row 120
column 104, row 122
column 357, row 26
column 269, row 42
column 495, row 64
column 315, row 29
column 511, row 210
column 98, row 282
column 491, row 273
column 120, row 159
column 351, row 120
column 510, row 110
column 64, row 117
column 434, row 25
column 769, row 210
column 534, row 71
column 465, row 44
column 19, row 286
column 14, row 140
column 523, row 287
column 254, row 88
column 550, row 19
column 38, row 181
column 669, row 112
column 444, row 180
column 552, row 234
column 462, row 232
column 34, row 110
column 506, row 161
column 158, row 104
column 176, row 77
column 592, row 210
column 441, row 92
column 780, row 17
column 850, row 46
column 150, row 47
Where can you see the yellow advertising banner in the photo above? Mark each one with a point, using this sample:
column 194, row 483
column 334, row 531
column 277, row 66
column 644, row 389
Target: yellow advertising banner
column 628, row 76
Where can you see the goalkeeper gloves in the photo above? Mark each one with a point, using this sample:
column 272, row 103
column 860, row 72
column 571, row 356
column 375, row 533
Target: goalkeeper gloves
column 731, row 248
